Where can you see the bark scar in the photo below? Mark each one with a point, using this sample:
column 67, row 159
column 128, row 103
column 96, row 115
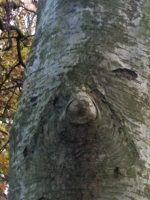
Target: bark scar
column 127, row 73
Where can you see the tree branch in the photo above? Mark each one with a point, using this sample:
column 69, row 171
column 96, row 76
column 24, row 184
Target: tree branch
column 4, row 146
column 28, row 10
column 8, row 75
column 3, row 132
column 19, row 53
column 13, row 5
column 7, row 27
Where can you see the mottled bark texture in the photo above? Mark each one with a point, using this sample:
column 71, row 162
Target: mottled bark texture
column 82, row 129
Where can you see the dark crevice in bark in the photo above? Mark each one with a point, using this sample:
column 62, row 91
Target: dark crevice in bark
column 127, row 73
column 43, row 198
column 28, row 150
column 33, row 100
column 55, row 101
column 117, row 173
column 25, row 152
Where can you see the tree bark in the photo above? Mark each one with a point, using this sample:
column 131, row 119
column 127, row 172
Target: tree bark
column 82, row 129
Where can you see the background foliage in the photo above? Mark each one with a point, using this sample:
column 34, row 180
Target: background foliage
column 17, row 26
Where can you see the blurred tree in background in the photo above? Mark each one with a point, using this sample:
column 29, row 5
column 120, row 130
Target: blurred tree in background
column 17, row 27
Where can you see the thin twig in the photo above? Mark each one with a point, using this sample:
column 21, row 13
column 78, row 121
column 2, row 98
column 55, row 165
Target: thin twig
column 4, row 146
column 8, row 75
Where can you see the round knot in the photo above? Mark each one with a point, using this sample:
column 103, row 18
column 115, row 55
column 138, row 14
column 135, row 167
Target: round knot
column 81, row 109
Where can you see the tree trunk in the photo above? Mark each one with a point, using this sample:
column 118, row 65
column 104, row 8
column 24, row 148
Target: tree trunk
column 82, row 129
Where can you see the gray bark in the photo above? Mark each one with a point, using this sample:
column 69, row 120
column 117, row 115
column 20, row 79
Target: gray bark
column 82, row 129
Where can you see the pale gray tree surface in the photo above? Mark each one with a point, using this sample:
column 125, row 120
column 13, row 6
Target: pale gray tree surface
column 82, row 129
